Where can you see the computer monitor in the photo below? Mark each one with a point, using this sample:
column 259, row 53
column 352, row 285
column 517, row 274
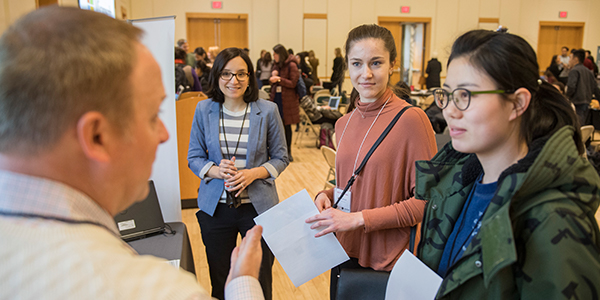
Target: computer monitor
column 334, row 102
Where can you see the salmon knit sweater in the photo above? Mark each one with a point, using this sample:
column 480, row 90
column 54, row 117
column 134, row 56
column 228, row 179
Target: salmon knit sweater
column 384, row 189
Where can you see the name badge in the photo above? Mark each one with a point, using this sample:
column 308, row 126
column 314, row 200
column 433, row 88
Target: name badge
column 344, row 204
column 278, row 89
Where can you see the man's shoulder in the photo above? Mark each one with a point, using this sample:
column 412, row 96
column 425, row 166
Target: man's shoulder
column 90, row 261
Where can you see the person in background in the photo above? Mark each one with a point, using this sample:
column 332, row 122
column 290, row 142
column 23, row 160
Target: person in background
column 337, row 77
column 564, row 65
column 510, row 201
column 559, row 86
column 190, row 58
column 212, row 53
column 314, row 64
column 433, row 70
column 319, row 115
column 200, row 54
column 590, row 64
column 285, row 83
column 265, row 65
column 203, row 72
column 376, row 228
column 306, row 70
column 190, row 73
column 582, row 86
column 81, row 154
column 553, row 71
column 237, row 149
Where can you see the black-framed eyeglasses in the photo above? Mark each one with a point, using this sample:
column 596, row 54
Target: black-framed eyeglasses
column 460, row 96
column 241, row 76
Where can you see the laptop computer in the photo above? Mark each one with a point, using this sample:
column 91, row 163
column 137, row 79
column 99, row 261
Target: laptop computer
column 334, row 102
column 141, row 219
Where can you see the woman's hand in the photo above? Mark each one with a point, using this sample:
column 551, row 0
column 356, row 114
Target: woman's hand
column 335, row 220
column 224, row 170
column 274, row 79
column 227, row 168
column 322, row 202
column 240, row 181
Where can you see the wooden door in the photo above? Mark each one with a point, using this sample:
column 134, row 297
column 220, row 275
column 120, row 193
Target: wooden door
column 396, row 29
column 222, row 30
column 233, row 33
column 202, row 33
column 553, row 36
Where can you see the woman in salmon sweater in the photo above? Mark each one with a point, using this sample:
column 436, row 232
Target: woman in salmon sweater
column 376, row 228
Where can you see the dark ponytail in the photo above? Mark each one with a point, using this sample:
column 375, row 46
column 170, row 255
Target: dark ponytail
column 512, row 64
column 549, row 111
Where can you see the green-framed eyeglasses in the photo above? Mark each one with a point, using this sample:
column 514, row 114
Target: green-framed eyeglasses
column 460, row 96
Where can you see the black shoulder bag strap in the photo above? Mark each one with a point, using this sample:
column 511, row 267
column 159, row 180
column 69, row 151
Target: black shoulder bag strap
column 362, row 164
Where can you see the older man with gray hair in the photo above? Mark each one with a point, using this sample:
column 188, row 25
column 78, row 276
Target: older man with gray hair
column 78, row 137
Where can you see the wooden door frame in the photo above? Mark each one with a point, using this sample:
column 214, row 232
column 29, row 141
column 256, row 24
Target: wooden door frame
column 426, row 40
column 189, row 16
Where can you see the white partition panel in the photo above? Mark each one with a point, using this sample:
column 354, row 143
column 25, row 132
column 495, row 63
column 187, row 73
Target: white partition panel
column 159, row 37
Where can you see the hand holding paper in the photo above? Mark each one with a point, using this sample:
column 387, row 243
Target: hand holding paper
column 292, row 241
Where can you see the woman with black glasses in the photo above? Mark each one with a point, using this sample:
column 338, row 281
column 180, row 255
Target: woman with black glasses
column 511, row 200
column 237, row 148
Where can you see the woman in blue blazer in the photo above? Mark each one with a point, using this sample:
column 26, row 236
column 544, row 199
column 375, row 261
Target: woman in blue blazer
column 237, row 148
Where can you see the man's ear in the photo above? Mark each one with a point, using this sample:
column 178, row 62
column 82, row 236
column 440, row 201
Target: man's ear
column 522, row 98
column 93, row 133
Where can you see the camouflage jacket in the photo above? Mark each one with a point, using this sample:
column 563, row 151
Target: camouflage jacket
column 539, row 238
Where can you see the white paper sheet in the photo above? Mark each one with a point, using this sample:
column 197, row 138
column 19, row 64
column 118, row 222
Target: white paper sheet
column 302, row 256
column 412, row 279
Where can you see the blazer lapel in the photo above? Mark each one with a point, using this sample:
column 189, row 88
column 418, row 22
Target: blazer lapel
column 212, row 133
column 254, row 134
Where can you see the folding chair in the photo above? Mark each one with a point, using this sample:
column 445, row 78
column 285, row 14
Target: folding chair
column 304, row 124
column 329, row 155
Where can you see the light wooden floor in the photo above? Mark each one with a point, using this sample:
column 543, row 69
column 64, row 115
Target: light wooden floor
column 308, row 171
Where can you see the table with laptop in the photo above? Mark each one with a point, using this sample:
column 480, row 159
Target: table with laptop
column 142, row 226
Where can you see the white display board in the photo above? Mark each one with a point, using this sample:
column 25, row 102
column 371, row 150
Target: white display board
column 159, row 35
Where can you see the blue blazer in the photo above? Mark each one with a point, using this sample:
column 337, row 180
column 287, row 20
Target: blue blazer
column 266, row 147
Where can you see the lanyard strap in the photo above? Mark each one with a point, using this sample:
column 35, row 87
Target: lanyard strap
column 379, row 140
column 225, row 133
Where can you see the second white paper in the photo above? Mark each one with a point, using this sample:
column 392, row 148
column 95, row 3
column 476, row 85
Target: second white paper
column 302, row 256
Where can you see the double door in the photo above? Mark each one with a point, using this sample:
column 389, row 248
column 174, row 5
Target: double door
column 222, row 30
column 555, row 35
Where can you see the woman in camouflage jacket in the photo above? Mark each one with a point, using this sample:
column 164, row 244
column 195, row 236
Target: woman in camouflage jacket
column 532, row 234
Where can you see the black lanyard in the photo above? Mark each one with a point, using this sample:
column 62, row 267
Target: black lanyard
column 362, row 164
column 225, row 134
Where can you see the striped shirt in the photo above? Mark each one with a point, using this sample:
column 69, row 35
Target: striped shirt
column 229, row 134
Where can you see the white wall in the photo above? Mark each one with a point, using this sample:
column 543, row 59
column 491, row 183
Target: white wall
column 280, row 21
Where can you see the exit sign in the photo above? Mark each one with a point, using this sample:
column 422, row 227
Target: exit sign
column 562, row 14
column 217, row 4
column 405, row 9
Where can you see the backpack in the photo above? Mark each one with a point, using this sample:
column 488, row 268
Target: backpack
column 181, row 80
column 325, row 136
column 300, row 86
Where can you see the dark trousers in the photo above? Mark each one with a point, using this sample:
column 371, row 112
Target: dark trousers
column 288, row 137
column 219, row 235
column 581, row 110
column 335, row 272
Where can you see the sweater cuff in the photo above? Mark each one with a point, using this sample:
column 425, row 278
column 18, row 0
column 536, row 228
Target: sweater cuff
column 242, row 288
column 204, row 170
